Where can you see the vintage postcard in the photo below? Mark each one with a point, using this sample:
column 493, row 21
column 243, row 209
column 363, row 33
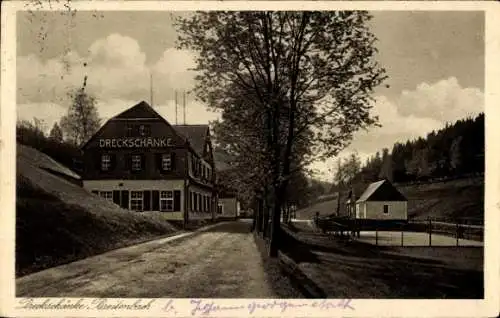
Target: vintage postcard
column 249, row 159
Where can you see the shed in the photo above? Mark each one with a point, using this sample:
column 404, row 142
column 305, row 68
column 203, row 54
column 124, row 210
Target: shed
column 382, row 201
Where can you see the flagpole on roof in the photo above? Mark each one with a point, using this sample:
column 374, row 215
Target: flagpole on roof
column 184, row 107
column 151, row 88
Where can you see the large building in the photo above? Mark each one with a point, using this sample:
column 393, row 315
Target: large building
column 141, row 162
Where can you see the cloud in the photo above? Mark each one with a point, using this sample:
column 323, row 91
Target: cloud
column 115, row 67
column 445, row 100
column 411, row 115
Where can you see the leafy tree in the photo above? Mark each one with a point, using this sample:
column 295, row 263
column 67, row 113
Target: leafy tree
column 56, row 133
column 82, row 119
column 312, row 73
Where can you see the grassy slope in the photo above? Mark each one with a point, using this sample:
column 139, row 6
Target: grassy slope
column 356, row 270
column 58, row 222
column 457, row 198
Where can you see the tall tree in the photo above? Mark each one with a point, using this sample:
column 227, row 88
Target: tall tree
column 312, row 73
column 56, row 133
column 386, row 169
column 82, row 119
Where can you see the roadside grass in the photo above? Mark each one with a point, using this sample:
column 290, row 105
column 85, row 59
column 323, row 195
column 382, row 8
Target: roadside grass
column 59, row 222
column 349, row 269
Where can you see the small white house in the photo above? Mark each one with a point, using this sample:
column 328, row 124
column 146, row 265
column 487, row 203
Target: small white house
column 382, row 201
column 228, row 207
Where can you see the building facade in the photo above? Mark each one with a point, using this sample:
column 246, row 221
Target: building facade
column 229, row 207
column 381, row 201
column 141, row 162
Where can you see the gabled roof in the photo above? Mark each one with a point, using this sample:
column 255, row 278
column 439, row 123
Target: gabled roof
column 381, row 191
column 195, row 134
column 140, row 110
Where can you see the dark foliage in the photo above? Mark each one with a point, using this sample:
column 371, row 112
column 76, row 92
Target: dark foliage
column 63, row 152
column 454, row 151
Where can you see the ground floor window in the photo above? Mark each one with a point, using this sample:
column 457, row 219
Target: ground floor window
column 108, row 195
column 220, row 208
column 136, row 200
column 167, row 201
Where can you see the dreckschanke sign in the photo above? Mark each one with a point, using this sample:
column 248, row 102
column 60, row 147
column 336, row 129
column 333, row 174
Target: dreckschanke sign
column 135, row 142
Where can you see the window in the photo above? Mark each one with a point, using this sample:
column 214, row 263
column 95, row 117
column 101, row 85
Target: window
column 166, row 201
column 108, row 195
column 136, row 200
column 130, row 131
column 386, row 209
column 136, row 162
column 144, row 130
column 166, row 162
column 105, row 162
column 219, row 208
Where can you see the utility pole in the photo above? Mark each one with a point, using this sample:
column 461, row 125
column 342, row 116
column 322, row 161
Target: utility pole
column 184, row 108
column 176, row 107
column 151, row 88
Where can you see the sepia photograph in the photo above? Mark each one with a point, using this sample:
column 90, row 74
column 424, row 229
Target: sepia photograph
column 262, row 154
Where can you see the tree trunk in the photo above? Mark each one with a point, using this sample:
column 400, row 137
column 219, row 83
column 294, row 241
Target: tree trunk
column 276, row 226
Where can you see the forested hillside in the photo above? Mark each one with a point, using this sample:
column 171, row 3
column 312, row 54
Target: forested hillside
column 455, row 151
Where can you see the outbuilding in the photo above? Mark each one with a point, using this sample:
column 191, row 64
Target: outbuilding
column 382, row 201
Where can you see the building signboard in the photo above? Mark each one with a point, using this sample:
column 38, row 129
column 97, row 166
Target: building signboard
column 148, row 142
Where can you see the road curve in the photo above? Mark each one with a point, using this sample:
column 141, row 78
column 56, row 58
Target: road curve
column 222, row 262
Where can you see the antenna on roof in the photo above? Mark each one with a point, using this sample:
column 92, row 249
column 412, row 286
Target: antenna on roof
column 176, row 107
column 151, row 88
column 184, row 107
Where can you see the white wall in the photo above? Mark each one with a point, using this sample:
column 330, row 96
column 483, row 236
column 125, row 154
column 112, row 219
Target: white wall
column 397, row 210
column 141, row 185
column 229, row 207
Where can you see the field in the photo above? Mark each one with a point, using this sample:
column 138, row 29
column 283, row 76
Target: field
column 355, row 269
column 58, row 222
column 398, row 238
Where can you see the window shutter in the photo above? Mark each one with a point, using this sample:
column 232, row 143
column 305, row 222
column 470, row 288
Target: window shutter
column 143, row 162
column 147, row 200
column 158, row 162
column 177, row 200
column 172, row 161
column 116, row 197
column 156, row 200
column 113, row 162
column 97, row 161
column 124, row 199
column 128, row 162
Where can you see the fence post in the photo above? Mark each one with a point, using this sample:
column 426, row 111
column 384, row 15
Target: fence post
column 457, row 232
column 430, row 231
column 402, row 234
column 376, row 236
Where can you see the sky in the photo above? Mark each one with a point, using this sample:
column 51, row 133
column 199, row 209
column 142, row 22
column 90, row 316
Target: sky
column 434, row 60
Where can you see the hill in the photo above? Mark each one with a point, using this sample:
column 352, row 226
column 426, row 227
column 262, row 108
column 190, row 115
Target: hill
column 57, row 221
column 461, row 198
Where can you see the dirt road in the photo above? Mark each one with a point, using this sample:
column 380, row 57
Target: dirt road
column 221, row 262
